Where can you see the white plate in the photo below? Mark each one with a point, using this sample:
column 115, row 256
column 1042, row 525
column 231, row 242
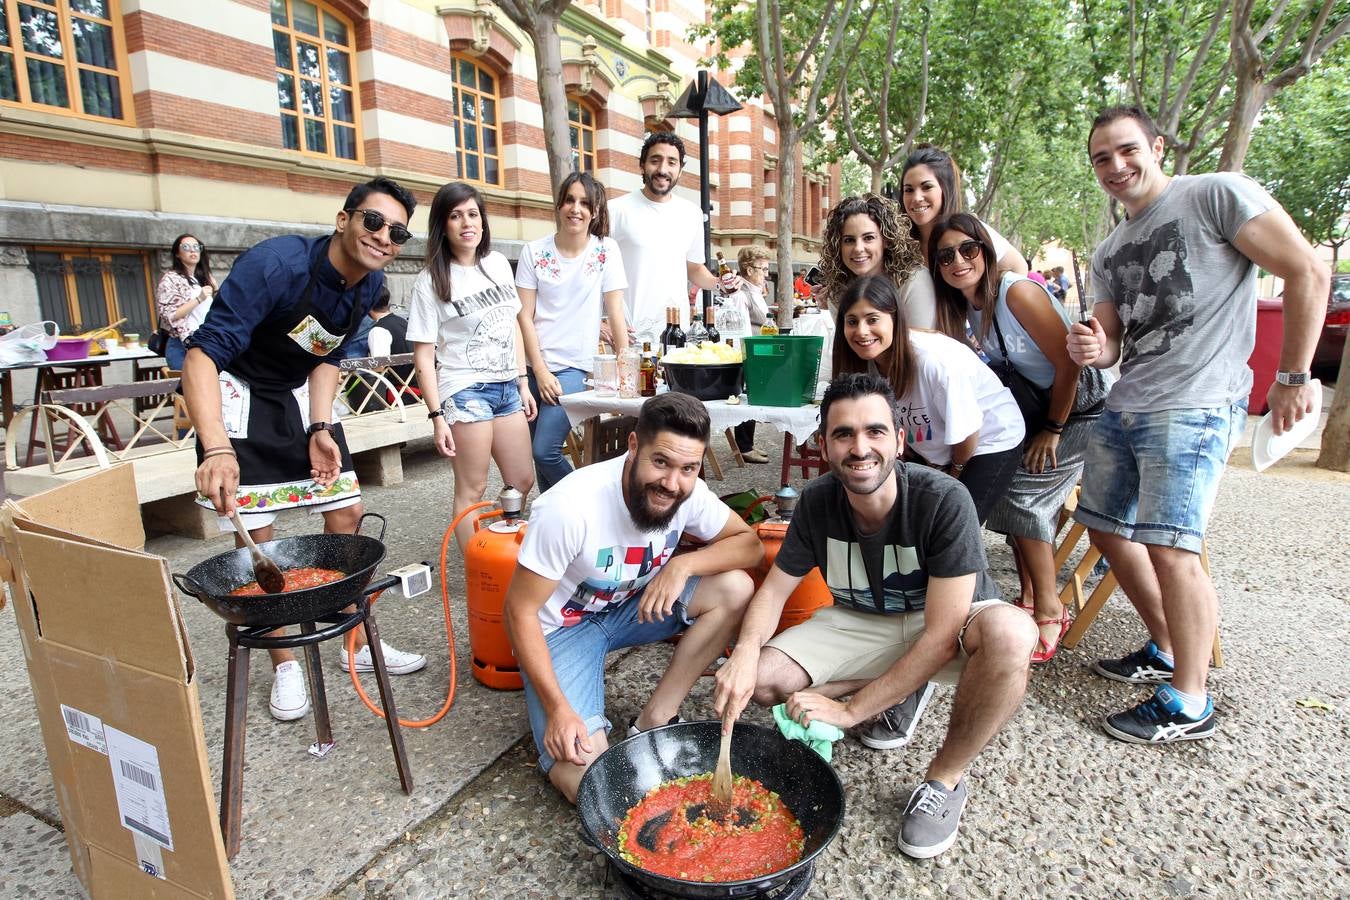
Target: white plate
column 1269, row 448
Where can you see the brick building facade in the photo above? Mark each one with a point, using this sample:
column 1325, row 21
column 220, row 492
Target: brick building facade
column 124, row 123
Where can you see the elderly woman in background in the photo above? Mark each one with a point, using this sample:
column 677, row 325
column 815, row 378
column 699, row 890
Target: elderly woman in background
column 753, row 262
column 184, row 295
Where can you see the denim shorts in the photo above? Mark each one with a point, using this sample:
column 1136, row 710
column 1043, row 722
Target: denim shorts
column 483, row 402
column 578, row 653
column 1153, row 477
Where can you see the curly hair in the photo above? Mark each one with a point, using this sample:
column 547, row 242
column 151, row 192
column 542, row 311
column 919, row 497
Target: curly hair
column 901, row 256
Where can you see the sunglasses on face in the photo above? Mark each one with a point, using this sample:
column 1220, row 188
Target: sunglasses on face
column 189, row 247
column 373, row 222
column 968, row 250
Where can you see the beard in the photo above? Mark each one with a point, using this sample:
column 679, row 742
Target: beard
column 648, row 183
column 849, row 480
column 643, row 516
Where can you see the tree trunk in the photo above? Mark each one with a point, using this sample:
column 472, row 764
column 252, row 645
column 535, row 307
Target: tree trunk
column 876, row 177
column 1249, row 97
column 787, row 195
column 552, row 97
column 1335, row 453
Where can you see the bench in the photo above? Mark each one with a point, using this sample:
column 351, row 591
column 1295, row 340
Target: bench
column 165, row 462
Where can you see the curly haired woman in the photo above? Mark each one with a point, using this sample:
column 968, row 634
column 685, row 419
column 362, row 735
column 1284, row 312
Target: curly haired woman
column 869, row 235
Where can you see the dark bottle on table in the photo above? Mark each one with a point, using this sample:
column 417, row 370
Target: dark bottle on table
column 713, row 334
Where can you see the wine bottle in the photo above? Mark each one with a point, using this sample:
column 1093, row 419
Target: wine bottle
column 708, row 324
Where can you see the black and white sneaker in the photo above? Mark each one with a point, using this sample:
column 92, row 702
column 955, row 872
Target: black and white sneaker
column 1143, row 666
column 894, row 727
column 1160, row 720
column 634, row 730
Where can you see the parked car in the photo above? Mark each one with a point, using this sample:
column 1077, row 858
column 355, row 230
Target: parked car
column 1327, row 356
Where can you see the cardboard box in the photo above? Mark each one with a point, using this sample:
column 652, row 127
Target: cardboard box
column 114, row 682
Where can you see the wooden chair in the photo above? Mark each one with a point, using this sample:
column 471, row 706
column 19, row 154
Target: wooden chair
column 806, row 457
column 182, row 422
column 1086, row 609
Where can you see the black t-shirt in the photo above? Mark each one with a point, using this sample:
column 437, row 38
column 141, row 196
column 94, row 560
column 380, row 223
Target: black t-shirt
column 932, row 531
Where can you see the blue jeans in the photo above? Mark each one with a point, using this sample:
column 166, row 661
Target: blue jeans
column 174, row 351
column 578, row 655
column 550, row 427
column 1153, row 477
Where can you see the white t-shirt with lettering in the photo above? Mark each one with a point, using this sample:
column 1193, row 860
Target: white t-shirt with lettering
column 581, row 535
column 657, row 241
column 475, row 332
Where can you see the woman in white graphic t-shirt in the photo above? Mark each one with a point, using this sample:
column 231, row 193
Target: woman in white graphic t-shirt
column 565, row 281
column 469, row 356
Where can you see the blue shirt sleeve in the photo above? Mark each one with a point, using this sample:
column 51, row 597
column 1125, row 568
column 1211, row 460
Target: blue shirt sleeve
column 255, row 286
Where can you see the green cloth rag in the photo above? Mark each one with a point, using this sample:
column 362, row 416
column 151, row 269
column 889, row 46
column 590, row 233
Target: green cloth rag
column 820, row 736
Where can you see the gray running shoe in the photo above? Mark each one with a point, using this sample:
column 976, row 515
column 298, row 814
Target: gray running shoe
column 931, row 819
column 894, row 727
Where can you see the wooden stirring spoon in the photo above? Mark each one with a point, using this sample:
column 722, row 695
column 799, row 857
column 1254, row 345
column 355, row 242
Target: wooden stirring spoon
column 721, row 782
column 265, row 570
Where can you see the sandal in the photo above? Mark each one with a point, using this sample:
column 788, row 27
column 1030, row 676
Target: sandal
column 1047, row 649
column 1024, row 603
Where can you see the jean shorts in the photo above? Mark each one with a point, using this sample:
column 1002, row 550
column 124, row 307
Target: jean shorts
column 1153, row 477
column 483, row 401
column 578, row 653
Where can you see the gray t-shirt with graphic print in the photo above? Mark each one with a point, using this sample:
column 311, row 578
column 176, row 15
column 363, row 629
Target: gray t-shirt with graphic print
column 1185, row 294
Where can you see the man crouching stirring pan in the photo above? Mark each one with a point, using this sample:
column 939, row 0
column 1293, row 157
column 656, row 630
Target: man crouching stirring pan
column 899, row 546
column 596, row 572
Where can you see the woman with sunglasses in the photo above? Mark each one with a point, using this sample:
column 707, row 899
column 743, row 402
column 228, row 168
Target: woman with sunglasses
column 183, row 296
column 468, row 352
column 565, row 281
column 1016, row 321
column 956, row 414
column 931, row 191
column 868, row 235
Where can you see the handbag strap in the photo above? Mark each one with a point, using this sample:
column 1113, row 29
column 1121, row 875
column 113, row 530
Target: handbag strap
column 1003, row 348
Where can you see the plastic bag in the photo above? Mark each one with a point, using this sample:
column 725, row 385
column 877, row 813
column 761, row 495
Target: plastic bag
column 28, row 343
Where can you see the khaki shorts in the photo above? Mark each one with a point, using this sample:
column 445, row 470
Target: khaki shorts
column 842, row 644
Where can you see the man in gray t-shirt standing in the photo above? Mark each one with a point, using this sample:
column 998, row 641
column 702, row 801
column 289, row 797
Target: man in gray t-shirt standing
column 1175, row 302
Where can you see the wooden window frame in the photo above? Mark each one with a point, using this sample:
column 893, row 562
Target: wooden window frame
column 582, row 104
column 69, row 61
column 326, row 85
column 458, row 123
column 110, row 297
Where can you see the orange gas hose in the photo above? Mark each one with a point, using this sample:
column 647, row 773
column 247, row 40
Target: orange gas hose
column 449, row 637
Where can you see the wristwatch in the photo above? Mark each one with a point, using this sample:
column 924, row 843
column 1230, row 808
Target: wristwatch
column 1293, row 379
column 315, row 427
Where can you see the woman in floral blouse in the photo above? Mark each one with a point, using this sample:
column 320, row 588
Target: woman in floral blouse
column 184, row 295
column 564, row 281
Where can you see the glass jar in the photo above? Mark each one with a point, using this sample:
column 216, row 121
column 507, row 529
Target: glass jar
column 629, row 368
column 605, row 375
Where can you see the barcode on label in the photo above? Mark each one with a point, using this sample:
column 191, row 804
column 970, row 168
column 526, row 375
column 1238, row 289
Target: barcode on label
column 76, row 719
column 145, row 779
column 146, row 830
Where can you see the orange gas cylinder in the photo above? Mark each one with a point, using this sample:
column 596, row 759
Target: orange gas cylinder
column 489, row 563
column 812, row 593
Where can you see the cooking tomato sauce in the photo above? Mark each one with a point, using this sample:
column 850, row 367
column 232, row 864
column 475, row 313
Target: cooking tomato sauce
column 296, row 579
column 692, row 847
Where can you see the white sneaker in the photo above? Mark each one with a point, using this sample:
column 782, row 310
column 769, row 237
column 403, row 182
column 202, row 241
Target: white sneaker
column 290, row 699
column 395, row 660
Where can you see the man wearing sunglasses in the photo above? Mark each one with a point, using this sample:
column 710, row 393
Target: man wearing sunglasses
column 260, row 377
column 1175, row 302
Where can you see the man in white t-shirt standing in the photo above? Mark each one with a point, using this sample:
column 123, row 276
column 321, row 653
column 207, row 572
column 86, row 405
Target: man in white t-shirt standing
column 661, row 239
column 597, row 572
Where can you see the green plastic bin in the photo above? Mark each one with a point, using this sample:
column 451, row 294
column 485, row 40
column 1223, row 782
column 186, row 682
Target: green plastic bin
column 780, row 369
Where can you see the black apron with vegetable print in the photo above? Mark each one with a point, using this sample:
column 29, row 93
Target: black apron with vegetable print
column 264, row 396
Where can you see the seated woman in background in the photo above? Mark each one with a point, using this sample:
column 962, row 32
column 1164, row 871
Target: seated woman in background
column 467, row 350
column 183, row 296
column 956, row 414
column 564, row 281
column 868, row 235
column 1029, row 330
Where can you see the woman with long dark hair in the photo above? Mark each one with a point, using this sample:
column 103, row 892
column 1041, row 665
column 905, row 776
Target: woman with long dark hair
column 467, row 349
column 1016, row 321
column 868, row 235
column 565, row 281
column 184, row 295
column 956, row 414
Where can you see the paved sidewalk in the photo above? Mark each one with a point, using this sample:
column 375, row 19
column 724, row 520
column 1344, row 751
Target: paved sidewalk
column 1056, row 808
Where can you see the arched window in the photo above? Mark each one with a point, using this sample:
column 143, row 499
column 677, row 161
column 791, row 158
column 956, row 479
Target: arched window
column 475, row 121
column 316, row 88
column 64, row 55
column 581, row 132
